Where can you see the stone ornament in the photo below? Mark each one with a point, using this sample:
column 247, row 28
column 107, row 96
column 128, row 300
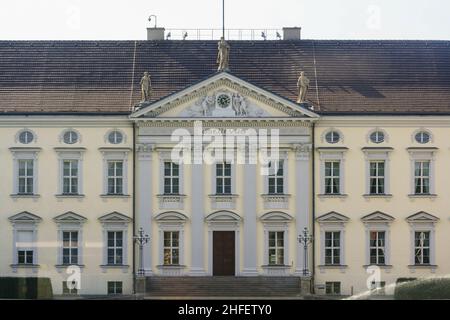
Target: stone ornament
column 146, row 87
column 302, row 85
column 223, row 55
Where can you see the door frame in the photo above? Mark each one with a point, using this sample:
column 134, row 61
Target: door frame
column 237, row 248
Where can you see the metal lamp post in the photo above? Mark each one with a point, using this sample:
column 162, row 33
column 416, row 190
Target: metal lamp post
column 141, row 240
column 305, row 238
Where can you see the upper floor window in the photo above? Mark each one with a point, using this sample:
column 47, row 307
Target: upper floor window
column 422, row 177
column 26, row 137
column 115, row 137
column 115, row 177
column 223, row 178
column 171, row 178
column 70, row 137
column 422, row 137
column 70, row 177
column 377, row 137
column 332, row 137
column 276, row 177
column 26, row 176
column 332, row 177
column 377, row 177
column 332, row 247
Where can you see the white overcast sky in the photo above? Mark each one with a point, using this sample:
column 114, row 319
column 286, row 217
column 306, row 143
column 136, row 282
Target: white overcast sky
column 319, row 19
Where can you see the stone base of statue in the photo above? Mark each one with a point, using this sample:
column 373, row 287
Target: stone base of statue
column 141, row 105
column 306, row 285
column 140, row 284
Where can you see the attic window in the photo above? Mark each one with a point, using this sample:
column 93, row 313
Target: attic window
column 26, row 137
column 377, row 137
column 70, row 137
column 332, row 137
column 422, row 137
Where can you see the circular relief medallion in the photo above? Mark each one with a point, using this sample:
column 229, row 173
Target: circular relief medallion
column 223, row 101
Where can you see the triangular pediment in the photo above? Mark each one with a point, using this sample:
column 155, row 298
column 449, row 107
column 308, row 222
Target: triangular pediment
column 25, row 216
column 276, row 216
column 332, row 217
column 69, row 217
column 115, row 217
column 223, row 216
column 171, row 216
column 422, row 217
column 377, row 216
column 223, row 95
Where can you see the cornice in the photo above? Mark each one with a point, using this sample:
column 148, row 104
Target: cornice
column 65, row 121
column 225, row 122
column 383, row 121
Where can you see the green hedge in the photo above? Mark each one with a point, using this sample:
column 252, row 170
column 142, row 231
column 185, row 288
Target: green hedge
column 25, row 288
column 411, row 289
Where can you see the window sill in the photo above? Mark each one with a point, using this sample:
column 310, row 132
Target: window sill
column 223, row 195
column 333, row 266
column 24, row 265
column 381, row 266
column 380, row 195
column 75, row 196
column 171, row 266
column 276, row 266
column 106, row 196
column 422, row 195
column 114, row 266
column 422, row 266
column 69, row 265
column 31, row 196
column 332, row 195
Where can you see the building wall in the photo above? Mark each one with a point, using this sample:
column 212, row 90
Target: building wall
column 400, row 136
column 47, row 206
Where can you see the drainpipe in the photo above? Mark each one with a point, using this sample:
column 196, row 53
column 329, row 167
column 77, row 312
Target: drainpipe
column 134, row 207
column 313, row 157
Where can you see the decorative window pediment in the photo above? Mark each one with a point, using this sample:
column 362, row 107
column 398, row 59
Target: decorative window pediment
column 422, row 217
column 377, row 216
column 276, row 216
column 115, row 217
column 332, row 217
column 223, row 216
column 171, row 216
column 69, row 217
column 25, row 217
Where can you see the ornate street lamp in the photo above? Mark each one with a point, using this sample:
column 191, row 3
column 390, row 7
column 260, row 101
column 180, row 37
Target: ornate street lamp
column 305, row 238
column 141, row 240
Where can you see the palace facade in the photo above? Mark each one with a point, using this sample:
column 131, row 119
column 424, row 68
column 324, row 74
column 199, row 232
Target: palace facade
column 88, row 158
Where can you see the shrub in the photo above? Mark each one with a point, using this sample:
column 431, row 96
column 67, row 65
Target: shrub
column 25, row 288
column 409, row 289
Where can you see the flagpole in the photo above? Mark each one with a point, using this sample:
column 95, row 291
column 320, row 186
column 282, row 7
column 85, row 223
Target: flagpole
column 223, row 19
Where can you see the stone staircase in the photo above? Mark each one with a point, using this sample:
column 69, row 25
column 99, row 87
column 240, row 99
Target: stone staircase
column 222, row 287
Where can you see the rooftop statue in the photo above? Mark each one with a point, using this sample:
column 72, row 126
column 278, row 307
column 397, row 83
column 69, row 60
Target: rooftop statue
column 302, row 85
column 146, row 87
column 223, row 55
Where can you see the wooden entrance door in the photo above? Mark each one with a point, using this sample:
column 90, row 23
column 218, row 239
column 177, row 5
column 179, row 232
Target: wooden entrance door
column 223, row 253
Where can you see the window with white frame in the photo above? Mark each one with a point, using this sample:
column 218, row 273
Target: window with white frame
column 332, row 177
column 115, row 137
column 70, row 137
column 377, row 177
column 332, row 248
column 70, row 176
column 422, row 247
column 422, row 177
column 377, row 137
column 70, row 247
column 276, row 247
column 332, row 137
column 115, row 287
column 25, row 247
column 276, row 177
column 115, row 177
column 115, row 247
column 333, row 288
column 422, row 137
column 26, row 137
column 171, row 248
column 377, row 247
column 223, row 178
column 25, row 176
column 171, row 178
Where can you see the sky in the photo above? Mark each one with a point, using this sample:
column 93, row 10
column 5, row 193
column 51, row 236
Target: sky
column 319, row 19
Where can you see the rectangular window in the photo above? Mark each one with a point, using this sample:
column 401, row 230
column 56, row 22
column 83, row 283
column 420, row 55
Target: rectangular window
column 377, row 169
column 69, row 288
column 378, row 288
column 70, row 247
column 332, row 177
column 276, row 177
column 223, row 178
column 377, row 247
column 115, row 177
column 114, row 287
column 171, row 247
column 422, row 177
column 25, row 176
column 333, row 288
column 333, row 248
column 24, row 247
column 70, row 176
column 115, row 247
column 276, row 248
column 422, row 247
column 171, row 178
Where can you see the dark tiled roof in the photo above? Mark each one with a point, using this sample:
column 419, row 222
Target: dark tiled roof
column 346, row 76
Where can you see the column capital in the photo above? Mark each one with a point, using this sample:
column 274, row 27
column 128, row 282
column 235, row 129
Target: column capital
column 302, row 151
column 145, row 150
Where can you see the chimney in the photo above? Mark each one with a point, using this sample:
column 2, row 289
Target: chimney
column 155, row 33
column 291, row 33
